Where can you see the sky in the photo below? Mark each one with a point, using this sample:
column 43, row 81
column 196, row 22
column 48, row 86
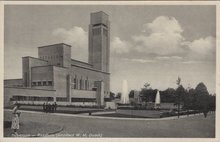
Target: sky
column 148, row 44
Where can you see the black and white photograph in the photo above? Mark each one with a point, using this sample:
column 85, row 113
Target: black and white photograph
column 109, row 71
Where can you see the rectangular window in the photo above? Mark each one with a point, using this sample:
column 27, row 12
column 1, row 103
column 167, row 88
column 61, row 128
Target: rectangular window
column 96, row 31
column 44, row 83
column 80, row 84
column 86, row 84
column 34, row 83
column 105, row 32
column 83, row 99
column 77, row 83
column 50, row 83
column 74, row 85
column 39, row 83
column 61, row 99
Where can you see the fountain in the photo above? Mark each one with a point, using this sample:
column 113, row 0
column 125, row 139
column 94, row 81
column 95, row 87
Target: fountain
column 124, row 95
column 126, row 109
column 157, row 100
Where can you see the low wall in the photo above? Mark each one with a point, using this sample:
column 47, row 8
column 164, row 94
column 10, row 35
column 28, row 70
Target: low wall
column 10, row 91
column 110, row 105
column 77, row 103
column 141, row 113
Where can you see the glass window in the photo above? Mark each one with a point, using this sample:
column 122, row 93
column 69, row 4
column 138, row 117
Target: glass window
column 34, row 83
column 44, row 83
column 39, row 83
column 80, row 84
column 50, row 83
column 74, row 83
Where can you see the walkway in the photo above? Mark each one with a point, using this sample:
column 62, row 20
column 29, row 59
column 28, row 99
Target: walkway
column 92, row 126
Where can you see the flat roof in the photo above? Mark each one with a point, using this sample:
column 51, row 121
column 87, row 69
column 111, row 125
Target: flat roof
column 99, row 12
column 81, row 62
column 55, row 44
column 34, row 58
column 49, row 66
column 14, row 79
column 90, row 69
column 29, row 89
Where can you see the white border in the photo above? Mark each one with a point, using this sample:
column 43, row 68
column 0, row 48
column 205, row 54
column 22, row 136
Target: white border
column 217, row 3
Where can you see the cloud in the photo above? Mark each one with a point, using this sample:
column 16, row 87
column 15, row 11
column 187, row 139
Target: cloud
column 164, row 24
column 169, row 58
column 139, row 60
column 77, row 37
column 191, row 62
column 203, row 48
column 119, row 46
column 163, row 38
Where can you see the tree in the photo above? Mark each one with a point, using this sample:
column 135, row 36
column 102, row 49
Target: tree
column 112, row 96
column 147, row 85
column 202, row 98
column 188, row 99
column 212, row 104
column 168, row 95
column 180, row 96
column 178, row 81
column 118, row 96
column 148, row 95
column 180, row 92
column 131, row 94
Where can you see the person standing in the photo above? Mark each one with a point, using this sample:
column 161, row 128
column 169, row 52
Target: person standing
column 55, row 106
column 52, row 107
column 15, row 119
column 49, row 107
column 44, row 107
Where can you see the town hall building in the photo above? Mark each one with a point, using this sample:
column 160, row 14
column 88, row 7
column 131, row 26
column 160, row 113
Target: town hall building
column 54, row 76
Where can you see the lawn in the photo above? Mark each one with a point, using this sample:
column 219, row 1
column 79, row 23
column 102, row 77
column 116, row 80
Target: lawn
column 189, row 127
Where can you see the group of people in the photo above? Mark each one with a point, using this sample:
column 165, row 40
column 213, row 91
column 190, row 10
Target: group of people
column 48, row 107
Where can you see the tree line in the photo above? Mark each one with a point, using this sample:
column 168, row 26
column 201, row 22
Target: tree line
column 190, row 98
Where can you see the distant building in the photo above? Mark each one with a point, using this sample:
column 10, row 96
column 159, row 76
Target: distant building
column 54, row 76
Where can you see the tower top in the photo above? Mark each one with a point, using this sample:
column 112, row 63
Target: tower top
column 99, row 18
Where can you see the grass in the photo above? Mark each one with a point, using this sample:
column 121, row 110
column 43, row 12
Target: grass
column 31, row 129
column 189, row 127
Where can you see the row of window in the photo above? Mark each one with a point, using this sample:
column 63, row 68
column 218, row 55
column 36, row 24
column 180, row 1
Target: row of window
column 31, row 98
column 105, row 32
column 42, row 83
column 13, row 85
column 98, row 31
column 51, row 57
column 81, row 84
column 83, row 99
column 61, row 99
column 58, row 99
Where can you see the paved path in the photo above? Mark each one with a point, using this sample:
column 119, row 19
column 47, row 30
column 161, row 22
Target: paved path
column 86, row 126
column 86, row 115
